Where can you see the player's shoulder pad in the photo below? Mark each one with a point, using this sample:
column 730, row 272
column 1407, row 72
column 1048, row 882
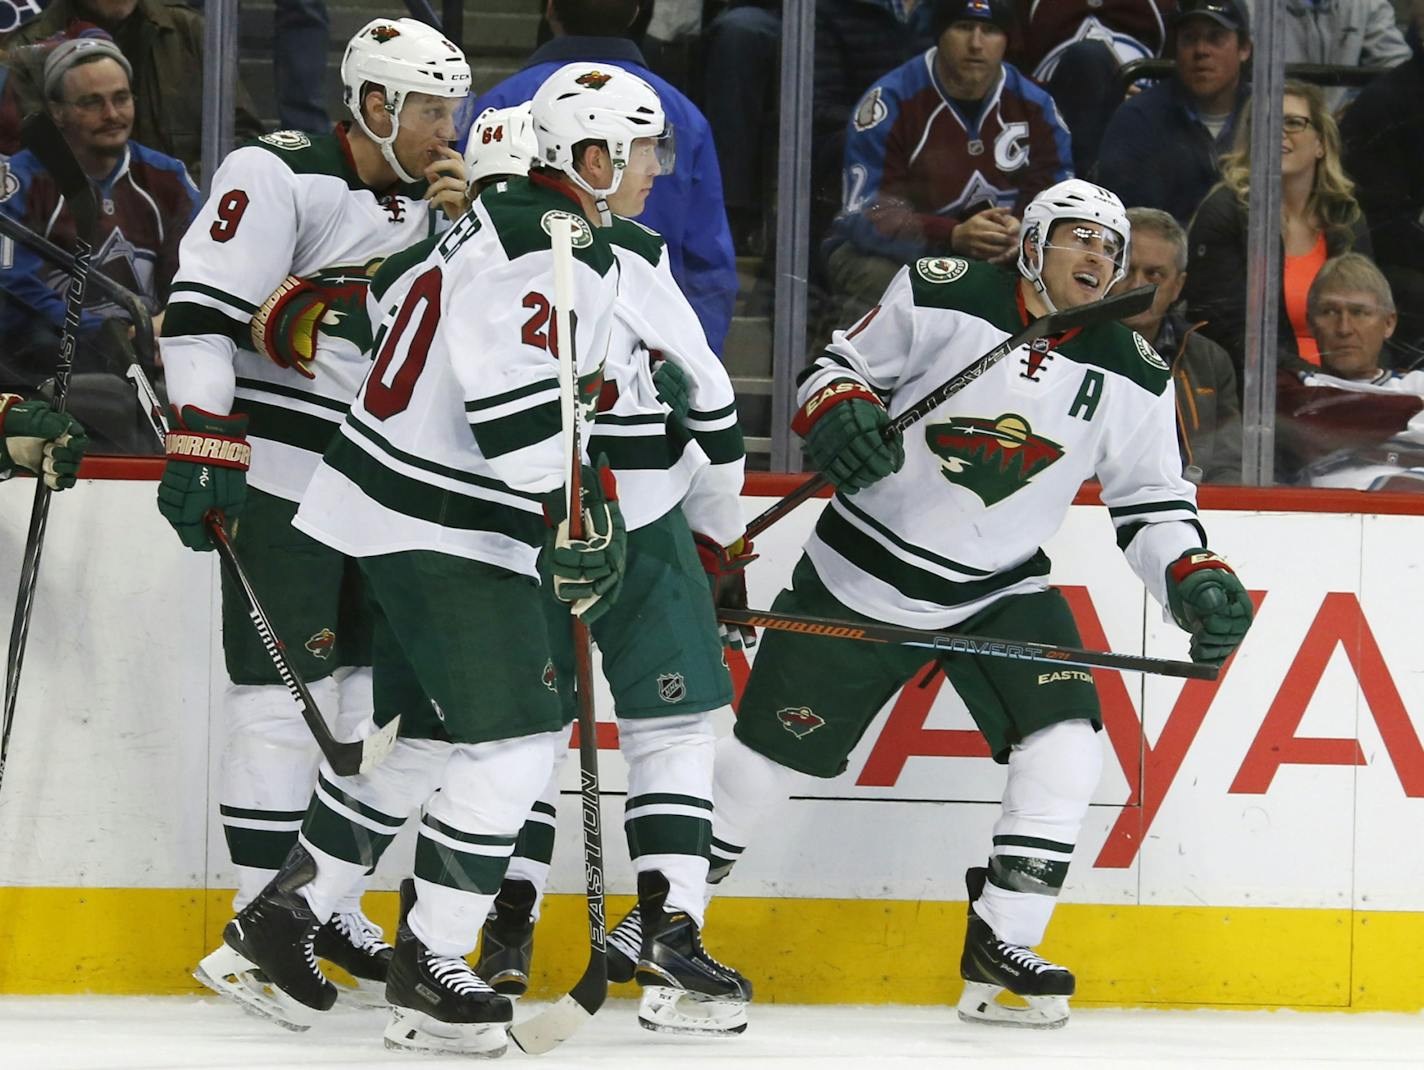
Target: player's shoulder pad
column 522, row 217
column 955, row 283
column 631, row 235
column 1122, row 351
column 397, row 264
column 304, row 154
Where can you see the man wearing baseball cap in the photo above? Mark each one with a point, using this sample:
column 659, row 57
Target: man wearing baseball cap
column 942, row 154
column 1161, row 148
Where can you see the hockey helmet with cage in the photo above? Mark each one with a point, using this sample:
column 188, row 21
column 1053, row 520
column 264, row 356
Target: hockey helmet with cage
column 400, row 56
column 1072, row 198
column 592, row 102
column 501, row 143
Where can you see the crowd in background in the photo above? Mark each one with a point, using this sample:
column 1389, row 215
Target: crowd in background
column 933, row 124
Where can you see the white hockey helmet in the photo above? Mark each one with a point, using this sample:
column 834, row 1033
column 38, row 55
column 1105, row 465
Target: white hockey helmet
column 501, row 143
column 1072, row 198
column 593, row 102
column 401, row 56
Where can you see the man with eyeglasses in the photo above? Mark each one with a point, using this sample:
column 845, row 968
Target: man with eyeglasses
column 1160, row 149
column 1352, row 423
column 146, row 201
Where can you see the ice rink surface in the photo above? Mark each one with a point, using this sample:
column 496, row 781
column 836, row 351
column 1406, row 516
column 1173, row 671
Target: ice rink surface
column 195, row 1033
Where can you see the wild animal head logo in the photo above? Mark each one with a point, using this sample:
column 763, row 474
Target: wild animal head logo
column 799, row 720
column 384, row 33
column 992, row 458
column 593, row 80
column 321, row 644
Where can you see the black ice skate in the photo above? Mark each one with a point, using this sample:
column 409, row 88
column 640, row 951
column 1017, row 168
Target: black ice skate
column 685, row 990
column 353, row 942
column 268, row 962
column 438, row 1004
column 989, row 966
column 507, row 940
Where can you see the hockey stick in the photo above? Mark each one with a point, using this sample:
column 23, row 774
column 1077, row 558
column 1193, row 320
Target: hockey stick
column 554, row 1025
column 345, row 759
column 1109, row 308
column 120, row 295
column 955, row 643
column 43, row 138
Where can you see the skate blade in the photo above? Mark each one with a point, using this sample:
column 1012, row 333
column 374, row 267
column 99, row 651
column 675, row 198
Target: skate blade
column 418, row 1032
column 979, row 1005
column 676, row 1010
column 232, row 976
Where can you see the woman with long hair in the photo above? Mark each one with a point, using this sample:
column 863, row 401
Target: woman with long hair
column 1320, row 218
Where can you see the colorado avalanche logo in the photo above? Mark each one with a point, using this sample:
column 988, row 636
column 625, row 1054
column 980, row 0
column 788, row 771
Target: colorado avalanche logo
column 799, row 720
column 593, row 80
column 384, row 33
column 992, row 458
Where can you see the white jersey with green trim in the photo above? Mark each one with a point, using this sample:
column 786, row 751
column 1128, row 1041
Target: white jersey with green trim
column 455, row 435
column 989, row 475
column 286, row 204
column 660, row 461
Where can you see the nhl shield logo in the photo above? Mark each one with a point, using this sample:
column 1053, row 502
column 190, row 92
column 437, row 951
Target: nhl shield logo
column 672, row 687
column 799, row 720
column 321, row 644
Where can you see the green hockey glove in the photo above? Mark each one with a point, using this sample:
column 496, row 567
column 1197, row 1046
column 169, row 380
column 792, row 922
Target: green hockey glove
column 587, row 572
column 674, row 390
column 844, row 425
column 208, row 456
column 1206, row 599
column 33, row 436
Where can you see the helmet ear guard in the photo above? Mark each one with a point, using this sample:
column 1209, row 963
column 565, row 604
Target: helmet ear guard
column 400, row 56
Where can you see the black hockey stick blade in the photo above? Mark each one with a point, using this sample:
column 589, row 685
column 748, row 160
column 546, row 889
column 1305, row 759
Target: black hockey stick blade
column 955, row 643
column 1114, row 307
column 42, row 137
column 345, row 759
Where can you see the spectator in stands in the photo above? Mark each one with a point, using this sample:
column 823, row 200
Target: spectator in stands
column 1344, row 33
column 1352, row 423
column 1160, row 149
column 942, row 155
column 742, row 67
column 684, row 207
column 163, row 43
column 301, row 30
column 1320, row 218
column 1208, row 413
column 146, row 202
column 1383, row 131
column 1075, row 49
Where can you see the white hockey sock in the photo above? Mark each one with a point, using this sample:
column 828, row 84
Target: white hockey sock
column 748, row 788
column 668, row 816
column 534, row 849
column 268, row 768
column 467, row 834
column 353, row 819
column 1052, row 776
column 354, row 721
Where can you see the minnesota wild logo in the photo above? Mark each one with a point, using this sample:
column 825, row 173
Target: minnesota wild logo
column 992, row 458
column 384, row 33
column 593, row 79
column 590, row 389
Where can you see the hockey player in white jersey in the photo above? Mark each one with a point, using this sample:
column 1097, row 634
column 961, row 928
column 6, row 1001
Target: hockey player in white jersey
column 265, row 342
column 944, row 527
column 439, row 482
column 668, row 426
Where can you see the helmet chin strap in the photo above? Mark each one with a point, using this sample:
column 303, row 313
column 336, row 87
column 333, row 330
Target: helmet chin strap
column 600, row 196
column 1034, row 274
column 387, row 143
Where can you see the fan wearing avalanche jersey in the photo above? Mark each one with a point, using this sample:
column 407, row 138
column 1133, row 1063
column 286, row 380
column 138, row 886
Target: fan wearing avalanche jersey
column 942, row 155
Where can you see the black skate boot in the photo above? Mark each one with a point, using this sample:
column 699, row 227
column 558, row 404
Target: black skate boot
column 685, row 990
column 438, row 1004
column 268, row 962
column 507, row 941
column 989, row 966
column 353, row 942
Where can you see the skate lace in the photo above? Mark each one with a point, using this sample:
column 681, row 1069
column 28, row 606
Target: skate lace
column 707, row 956
column 361, row 932
column 1022, row 956
column 627, row 935
column 456, row 975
